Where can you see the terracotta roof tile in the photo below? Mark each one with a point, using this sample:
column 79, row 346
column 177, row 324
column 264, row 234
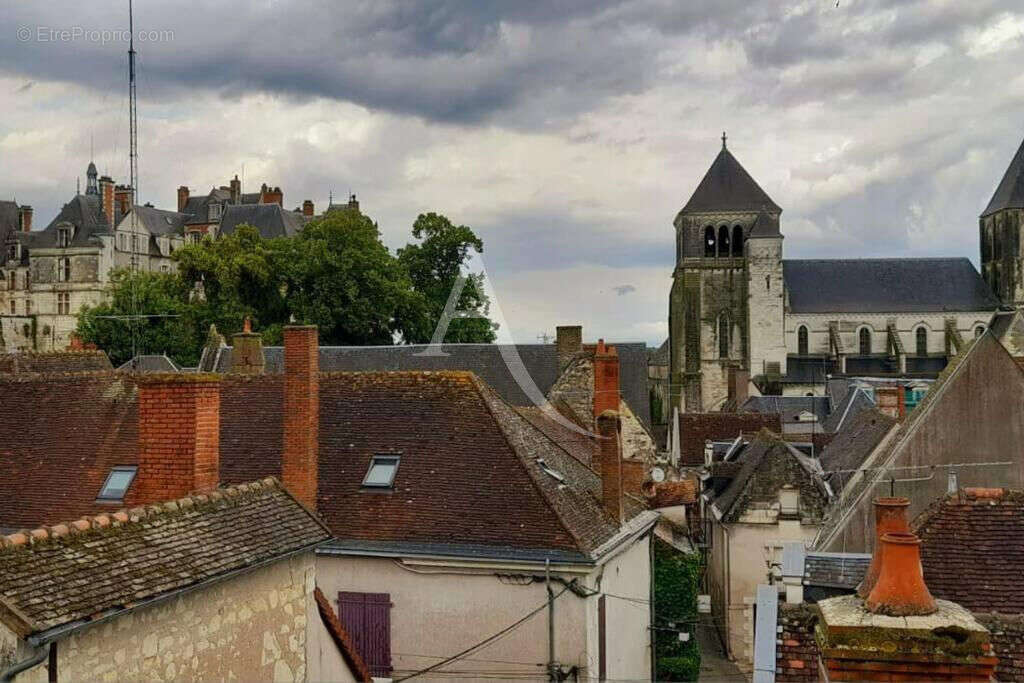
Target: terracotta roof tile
column 70, row 572
column 341, row 637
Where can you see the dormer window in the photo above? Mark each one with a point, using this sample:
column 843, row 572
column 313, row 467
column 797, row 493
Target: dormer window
column 64, row 237
column 215, row 210
column 382, row 471
column 789, row 501
column 117, row 483
column 13, row 252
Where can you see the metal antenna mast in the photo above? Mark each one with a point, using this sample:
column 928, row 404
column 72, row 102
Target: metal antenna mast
column 133, row 123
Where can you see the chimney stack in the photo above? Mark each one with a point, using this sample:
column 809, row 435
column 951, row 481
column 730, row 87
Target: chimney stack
column 182, row 198
column 300, row 459
column 236, row 190
column 890, row 401
column 247, row 351
column 179, row 436
column 568, row 342
column 611, row 464
column 353, row 203
column 606, row 379
column 900, row 590
column 890, row 517
column 307, row 208
column 25, row 217
column 123, row 199
column 107, row 198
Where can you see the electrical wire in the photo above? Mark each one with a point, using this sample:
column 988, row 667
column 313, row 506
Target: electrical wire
column 485, row 641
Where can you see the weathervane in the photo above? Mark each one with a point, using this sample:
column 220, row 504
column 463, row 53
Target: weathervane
column 723, row 139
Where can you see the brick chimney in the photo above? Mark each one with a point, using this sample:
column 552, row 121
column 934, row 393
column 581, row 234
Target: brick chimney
column 182, row 198
column 123, row 199
column 307, row 208
column 568, row 342
column 179, row 436
column 273, row 196
column 901, row 633
column 890, row 517
column 25, row 217
column 107, row 198
column 611, row 464
column 247, row 351
column 236, row 190
column 606, row 378
column 353, row 203
column 890, row 400
column 300, row 459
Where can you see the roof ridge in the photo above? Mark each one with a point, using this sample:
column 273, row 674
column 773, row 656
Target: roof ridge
column 878, row 258
column 53, row 532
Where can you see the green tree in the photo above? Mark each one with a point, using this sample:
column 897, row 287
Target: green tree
column 676, row 582
column 434, row 265
column 133, row 293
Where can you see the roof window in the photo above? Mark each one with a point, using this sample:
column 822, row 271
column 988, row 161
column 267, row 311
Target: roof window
column 554, row 474
column 382, row 471
column 118, row 481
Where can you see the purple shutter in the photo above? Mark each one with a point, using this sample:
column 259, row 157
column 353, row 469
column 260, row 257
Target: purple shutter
column 367, row 617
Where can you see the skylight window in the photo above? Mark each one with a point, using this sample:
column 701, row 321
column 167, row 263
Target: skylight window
column 118, row 481
column 382, row 471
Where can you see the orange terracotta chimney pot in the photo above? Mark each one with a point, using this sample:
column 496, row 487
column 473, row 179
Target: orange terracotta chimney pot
column 247, row 325
column 900, row 590
column 890, row 517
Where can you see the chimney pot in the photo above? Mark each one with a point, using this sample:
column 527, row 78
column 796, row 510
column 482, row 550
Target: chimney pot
column 236, row 190
column 300, row 460
column 25, row 217
column 182, row 198
column 608, row 425
column 890, row 517
column 900, row 590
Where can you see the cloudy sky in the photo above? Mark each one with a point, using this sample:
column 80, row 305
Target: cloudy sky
column 568, row 133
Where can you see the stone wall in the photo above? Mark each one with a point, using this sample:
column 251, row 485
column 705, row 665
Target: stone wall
column 906, row 326
column 765, row 305
column 252, row 627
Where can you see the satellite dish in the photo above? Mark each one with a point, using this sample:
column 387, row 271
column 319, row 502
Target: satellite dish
column 658, row 474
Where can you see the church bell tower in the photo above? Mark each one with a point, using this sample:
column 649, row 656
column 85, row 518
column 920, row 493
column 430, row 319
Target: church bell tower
column 1002, row 257
column 726, row 304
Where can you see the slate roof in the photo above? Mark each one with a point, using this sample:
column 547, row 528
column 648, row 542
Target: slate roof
column 198, row 207
column 766, row 464
column 1009, row 193
column 79, row 571
column 341, row 637
column 808, row 369
column 468, row 471
column 765, row 225
column 149, row 363
column 859, row 436
column 972, row 549
column 491, row 362
column 835, row 570
column 270, row 219
column 885, row 286
column 852, row 403
column 789, row 407
column 8, row 219
column 159, row 221
column 728, row 187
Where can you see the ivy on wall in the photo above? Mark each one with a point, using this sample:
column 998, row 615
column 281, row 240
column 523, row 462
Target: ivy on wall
column 676, row 584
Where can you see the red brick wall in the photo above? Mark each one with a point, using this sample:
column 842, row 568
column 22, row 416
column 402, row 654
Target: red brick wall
column 633, row 474
column 301, row 413
column 606, row 378
column 179, row 437
column 611, row 465
column 796, row 652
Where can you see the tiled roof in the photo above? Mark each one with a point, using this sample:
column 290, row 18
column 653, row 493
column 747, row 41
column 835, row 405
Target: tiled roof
column 149, row 363
column 159, row 221
column 9, row 221
column 1009, row 193
column 468, row 471
column 789, row 407
column 697, row 428
column 493, row 363
column 671, row 493
column 885, row 286
column 84, row 211
column 852, row 445
column 728, row 187
column 577, row 443
column 835, row 570
column 341, row 637
column 972, row 549
column 270, row 219
column 94, row 566
column 852, row 403
column 54, row 361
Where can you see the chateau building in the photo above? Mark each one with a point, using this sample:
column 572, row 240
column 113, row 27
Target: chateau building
column 737, row 304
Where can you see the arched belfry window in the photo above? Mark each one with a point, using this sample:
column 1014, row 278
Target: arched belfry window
column 865, row 341
column 801, row 340
column 709, row 241
column 737, row 241
column 723, row 241
column 921, row 339
column 723, row 335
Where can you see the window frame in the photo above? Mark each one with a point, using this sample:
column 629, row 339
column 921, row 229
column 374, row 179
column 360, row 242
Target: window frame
column 380, row 459
column 64, row 269
column 63, row 303
column 133, row 470
column 921, row 341
column 802, row 340
column 864, row 335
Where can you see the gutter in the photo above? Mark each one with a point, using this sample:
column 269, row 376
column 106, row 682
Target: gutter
column 25, row 664
column 58, row 632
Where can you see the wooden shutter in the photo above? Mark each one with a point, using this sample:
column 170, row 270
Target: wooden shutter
column 602, row 639
column 367, row 617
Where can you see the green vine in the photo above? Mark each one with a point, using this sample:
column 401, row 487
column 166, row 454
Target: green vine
column 676, row 584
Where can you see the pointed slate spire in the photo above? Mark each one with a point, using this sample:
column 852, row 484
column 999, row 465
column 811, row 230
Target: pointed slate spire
column 728, row 187
column 1010, row 193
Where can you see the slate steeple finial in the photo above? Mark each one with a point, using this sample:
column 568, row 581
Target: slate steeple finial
column 723, row 139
